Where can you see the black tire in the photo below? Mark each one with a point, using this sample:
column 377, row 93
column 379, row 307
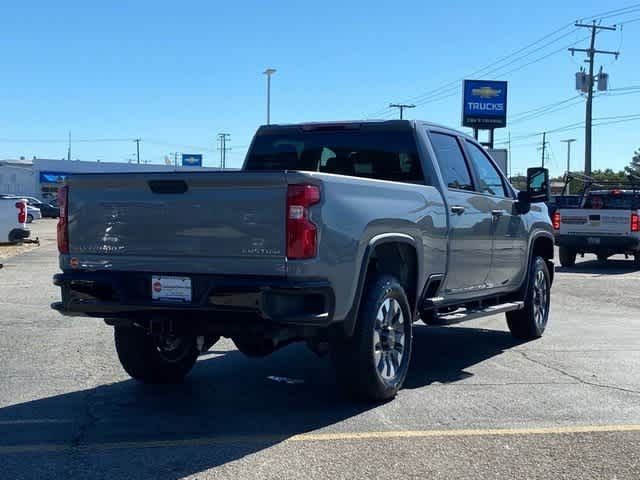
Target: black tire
column 602, row 257
column 567, row 256
column 143, row 358
column 531, row 322
column 254, row 347
column 636, row 260
column 357, row 362
column 29, row 218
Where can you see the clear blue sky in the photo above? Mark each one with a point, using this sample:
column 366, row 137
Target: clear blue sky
column 177, row 73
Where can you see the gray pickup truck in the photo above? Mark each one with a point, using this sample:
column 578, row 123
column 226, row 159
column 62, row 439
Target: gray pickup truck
column 341, row 235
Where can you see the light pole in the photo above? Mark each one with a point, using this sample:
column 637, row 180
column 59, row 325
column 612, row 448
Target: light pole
column 569, row 141
column 268, row 72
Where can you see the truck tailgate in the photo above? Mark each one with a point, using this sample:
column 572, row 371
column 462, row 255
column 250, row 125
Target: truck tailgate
column 208, row 222
column 586, row 221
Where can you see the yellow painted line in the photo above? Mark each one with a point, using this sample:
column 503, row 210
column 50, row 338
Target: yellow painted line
column 35, row 421
column 317, row 437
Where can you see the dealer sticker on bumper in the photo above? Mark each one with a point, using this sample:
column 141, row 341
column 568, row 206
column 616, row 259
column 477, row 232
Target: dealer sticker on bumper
column 171, row 289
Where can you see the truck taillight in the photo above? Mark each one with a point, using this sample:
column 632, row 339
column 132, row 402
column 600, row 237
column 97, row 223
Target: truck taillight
column 22, row 212
column 63, row 230
column 635, row 222
column 556, row 220
column 302, row 234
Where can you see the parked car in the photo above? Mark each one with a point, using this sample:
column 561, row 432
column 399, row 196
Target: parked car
column 13, row 217
column 340, row 235
column 47, row 210
column 33, row 213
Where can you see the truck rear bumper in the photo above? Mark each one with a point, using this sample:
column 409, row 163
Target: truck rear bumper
column 595, row 243
column 224, row 298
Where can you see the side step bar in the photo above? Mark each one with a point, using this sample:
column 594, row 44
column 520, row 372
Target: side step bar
column 465, row 314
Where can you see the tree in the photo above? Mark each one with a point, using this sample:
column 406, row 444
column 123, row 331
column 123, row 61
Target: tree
column 634, row 166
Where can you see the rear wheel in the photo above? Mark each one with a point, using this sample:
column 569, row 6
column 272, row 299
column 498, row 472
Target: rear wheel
column 29, row 218
column 567, row 256
column 374, row 362
column 530, row 322
column 155, row 359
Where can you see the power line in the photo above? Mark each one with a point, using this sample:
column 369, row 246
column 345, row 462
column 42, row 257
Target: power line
column 600, row 121
column 455, row 91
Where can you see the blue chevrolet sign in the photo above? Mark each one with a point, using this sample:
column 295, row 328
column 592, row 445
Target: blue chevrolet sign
column 484, row 104
column 191, row 159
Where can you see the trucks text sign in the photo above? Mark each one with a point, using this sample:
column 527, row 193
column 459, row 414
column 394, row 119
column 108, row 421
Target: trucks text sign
column 484, row 104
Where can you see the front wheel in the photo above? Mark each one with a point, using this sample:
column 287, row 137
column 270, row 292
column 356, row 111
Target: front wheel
column 374, row 362
column 530, row 322
column 154, row 359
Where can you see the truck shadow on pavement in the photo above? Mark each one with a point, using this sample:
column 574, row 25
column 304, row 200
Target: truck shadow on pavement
column 596, row 267
column 227, row 408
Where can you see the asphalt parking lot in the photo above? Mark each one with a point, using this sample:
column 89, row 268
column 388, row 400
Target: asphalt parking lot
column 476, row 403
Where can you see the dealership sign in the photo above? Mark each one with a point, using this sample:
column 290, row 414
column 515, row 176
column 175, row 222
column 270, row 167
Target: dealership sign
column 191, row 159
column 484, row 104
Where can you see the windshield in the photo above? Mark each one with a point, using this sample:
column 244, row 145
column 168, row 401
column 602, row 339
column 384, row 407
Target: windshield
column 388, row 155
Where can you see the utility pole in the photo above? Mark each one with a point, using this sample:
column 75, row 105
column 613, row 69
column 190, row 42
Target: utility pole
column 591, row 54
column 268, row 72
column 69, row 149
column 222, row 139
column 137, row 140
column 401, row 106
column 544, row 146
column 509, row 154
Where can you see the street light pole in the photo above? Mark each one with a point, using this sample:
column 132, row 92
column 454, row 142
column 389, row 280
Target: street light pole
column 568, row 141
column 268, row 72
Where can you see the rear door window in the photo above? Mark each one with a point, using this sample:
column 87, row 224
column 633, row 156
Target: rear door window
column 451, row 161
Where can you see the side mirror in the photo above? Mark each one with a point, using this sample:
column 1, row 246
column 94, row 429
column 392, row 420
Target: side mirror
column 537, row 185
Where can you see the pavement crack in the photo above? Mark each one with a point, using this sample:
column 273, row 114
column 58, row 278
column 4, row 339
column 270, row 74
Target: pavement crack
column 575, row 377
column 89, row 419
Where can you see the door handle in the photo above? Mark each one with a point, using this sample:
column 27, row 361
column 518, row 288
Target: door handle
column 497, row 213
column 457, row 209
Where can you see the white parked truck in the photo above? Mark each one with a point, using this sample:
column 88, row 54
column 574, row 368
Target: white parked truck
column 605, row 222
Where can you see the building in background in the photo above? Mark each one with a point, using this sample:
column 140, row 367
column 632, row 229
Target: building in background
column 41, row 177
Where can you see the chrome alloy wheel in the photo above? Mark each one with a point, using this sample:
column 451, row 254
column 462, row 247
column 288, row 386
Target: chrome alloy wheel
column 540, row 299
column 389, row 339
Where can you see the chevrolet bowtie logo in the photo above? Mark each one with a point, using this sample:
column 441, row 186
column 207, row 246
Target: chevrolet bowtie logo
column 485, row 92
